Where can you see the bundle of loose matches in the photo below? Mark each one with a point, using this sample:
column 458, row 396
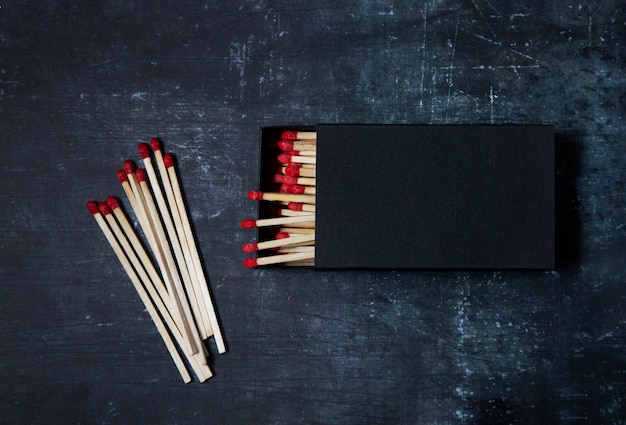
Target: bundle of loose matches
column 287, row 229
column 169, row 276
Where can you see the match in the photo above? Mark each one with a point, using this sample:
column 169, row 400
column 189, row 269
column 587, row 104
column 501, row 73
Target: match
column 280, row 242
column 278, row 221
column 289, row 145
column 171, row 281
column 297, row 189
column 296, row 170
column 257, row 195
column 168, row 163
column 298, row 135
column 285, row 158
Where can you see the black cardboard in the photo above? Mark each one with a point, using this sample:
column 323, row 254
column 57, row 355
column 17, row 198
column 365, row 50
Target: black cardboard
column 434, row 196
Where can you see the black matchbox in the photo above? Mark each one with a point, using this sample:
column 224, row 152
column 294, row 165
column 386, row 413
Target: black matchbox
column 427, row 196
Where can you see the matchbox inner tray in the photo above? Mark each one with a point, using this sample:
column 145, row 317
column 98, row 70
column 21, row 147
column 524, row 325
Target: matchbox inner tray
column 427, row 196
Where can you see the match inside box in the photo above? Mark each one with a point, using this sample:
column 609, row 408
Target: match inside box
column 365, row 196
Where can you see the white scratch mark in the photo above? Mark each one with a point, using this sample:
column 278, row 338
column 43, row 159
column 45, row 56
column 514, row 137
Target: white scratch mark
column 138, row 96
column 492, row 98
column 518, row 15
column 451, row 69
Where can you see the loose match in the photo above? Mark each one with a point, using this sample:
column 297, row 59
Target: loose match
column 164, row 266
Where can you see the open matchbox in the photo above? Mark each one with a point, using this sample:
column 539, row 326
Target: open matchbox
column 427, row 196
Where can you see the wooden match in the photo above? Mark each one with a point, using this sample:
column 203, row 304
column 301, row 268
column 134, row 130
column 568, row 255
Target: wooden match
column 168, row 163
column 92, row 206
column 298, row 135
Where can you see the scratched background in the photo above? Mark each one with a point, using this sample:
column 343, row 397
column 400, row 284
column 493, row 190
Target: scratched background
column 81, row 83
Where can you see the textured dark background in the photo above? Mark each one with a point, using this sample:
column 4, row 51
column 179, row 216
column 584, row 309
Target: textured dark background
column 81, row 83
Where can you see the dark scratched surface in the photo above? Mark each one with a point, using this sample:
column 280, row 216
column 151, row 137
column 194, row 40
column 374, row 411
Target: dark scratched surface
column 81, row 83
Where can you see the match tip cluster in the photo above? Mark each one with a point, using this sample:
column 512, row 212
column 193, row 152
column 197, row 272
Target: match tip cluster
column 287, row 219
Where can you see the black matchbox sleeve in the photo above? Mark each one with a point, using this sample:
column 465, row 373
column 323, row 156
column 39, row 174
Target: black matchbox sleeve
column 435, row 197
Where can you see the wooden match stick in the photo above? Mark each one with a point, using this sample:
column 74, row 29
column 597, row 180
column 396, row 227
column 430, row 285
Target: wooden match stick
column 251, row 224
column 162, row 255
column 198, row 361
column 145, row 260
column 121, row 176
column 288, row 159
column 275, row 243
column 183, row 287
column 169, row 268
column 169, row 214
column 301, row 152
column 298, row 135
column 92, row 206
column 277, row 259
column 294, row 170
column 299, row 248
column 297, row 230
column 257, row 195
column 289, row 145
column 168, row 163
column 290, row 213
column 299, row 206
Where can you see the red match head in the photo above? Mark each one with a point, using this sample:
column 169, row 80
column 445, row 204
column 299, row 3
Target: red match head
column 104, row 208
column 250, row 247
column 284, row 158
column 285, row 145
column 144, row 150
column 113, row 203
column 141, row 175
column 92, row 206
column 255, row 195
column 289, row 135
column 250, row 263
column 292, row 188
column 294, row 206
column 168, row 160
column 293, row 169
column 121, row 176
column 281, row 235
column 129, row 166
column 156, row 144
column 248, row 224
